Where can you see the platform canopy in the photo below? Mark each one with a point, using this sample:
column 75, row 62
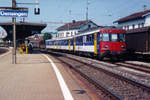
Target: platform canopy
column 23, row 29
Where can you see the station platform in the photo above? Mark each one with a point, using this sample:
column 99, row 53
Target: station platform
column 37, row 77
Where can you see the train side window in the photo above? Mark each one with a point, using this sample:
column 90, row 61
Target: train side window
column 81, row 39
column 90, row 38
column 101, row 37
column 84, row 39
column 87, row 38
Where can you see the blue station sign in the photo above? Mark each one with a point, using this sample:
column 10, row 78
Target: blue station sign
column 14, row 12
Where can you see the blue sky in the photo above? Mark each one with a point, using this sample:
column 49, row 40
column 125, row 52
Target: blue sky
column 102, row 12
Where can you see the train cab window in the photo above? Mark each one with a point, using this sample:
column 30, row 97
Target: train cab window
column 122, row 37
column 105, row 37
column 114, row 37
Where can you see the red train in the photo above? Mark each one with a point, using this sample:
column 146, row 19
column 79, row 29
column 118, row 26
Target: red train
column 112, row 42
column 99, row 42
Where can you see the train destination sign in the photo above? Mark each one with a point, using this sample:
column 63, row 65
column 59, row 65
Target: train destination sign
column 14, row 12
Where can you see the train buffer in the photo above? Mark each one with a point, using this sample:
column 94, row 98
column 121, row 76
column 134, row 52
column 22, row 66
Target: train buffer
column 34, row 78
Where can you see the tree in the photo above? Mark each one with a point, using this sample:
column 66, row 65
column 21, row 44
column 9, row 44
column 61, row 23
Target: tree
column 47, row 36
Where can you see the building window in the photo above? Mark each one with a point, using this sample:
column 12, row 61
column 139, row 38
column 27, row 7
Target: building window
column 139, row 25
column 61, row 34
column 75, row 33
column 71, row 33
column 124, row 27
column 133, row 26
column 142, row 24
column 89, row 26
column 127, row 27
column 67, row 34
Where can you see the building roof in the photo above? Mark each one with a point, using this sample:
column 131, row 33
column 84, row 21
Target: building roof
column 23, row 23
column 40, row 38
column 73, row 25
column 23, row 29
column 133, row 16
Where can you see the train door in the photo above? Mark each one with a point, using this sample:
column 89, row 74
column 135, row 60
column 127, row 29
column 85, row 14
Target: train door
column 53, row 44
column 56, row 44
column 69, row 45
column 149, row 41
column 98, row 43
column 95, row 44
column 74, row 44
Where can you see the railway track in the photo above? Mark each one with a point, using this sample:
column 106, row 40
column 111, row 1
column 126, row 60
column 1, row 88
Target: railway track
column 135, row 66
column 3, row 50
column 117, row 87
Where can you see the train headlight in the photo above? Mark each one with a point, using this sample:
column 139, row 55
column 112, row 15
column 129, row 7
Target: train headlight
column 122, row 46
column 106, row 46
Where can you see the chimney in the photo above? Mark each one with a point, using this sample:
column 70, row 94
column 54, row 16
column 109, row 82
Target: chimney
column 73, row 21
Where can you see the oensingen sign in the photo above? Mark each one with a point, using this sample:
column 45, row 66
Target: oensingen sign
column 13, row 12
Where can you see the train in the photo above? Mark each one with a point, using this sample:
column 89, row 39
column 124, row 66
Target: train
column 99, row 42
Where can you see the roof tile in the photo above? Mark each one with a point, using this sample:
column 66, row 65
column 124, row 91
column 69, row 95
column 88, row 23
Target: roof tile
column 72, row 25
column 133, row 16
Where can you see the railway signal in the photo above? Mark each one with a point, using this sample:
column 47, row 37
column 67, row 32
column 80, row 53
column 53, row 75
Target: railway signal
column 36, row 9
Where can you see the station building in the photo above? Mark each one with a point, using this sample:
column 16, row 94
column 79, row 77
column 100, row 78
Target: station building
column 74, row 27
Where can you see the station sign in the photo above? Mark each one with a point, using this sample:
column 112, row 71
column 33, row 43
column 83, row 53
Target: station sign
column 13, row 12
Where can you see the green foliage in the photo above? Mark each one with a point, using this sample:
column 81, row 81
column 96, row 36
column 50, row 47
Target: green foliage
column 47, row 36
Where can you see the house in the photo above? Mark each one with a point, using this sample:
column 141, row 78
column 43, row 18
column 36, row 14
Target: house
column 137, row 28
column 54, row 34
column 35, row 40
column 135, row 20
column 73, row 28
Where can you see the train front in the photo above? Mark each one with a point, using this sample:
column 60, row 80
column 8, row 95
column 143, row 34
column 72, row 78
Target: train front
column 112, row 42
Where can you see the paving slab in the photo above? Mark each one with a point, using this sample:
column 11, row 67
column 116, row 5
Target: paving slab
column 33, row 78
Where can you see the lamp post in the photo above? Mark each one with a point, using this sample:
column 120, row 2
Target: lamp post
column 14, row 34
column 37, row 12
column 87, row 9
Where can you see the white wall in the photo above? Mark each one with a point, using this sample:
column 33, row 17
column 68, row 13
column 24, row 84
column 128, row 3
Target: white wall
column 64, row 33
column 130, row 23
column 147, row 20
column 75, row 31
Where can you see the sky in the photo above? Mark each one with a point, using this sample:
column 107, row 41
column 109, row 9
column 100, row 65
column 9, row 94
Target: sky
column 102, row 12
